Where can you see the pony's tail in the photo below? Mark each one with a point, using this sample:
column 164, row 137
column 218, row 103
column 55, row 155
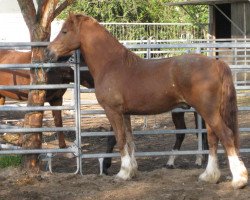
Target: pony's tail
column 228, row 107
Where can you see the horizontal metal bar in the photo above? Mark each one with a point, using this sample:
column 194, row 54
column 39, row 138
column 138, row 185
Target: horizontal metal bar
column 153, row 132
column 37, row 151
column 189, row 45
column 240, row 67
column 36, row 87
column 156, row 153
column 242, row 87
column 148, row 23
column 23, row 44
column 92, row 112
column 244, row 108
column 84, row 68
column 143, row 154
column 89, row 102
column 87, row 90
column 36, row 65
column 31, row 130
column 35, row 108
column 145, row 132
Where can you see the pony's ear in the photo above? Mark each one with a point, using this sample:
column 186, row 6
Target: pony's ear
column 74, row 18
column 71, row 14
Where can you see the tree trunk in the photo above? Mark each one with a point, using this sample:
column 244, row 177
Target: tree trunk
column 36, row 98
column 39, row 23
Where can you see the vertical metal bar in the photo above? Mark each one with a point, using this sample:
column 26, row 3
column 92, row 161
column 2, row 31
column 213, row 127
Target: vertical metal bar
column 148, row 56
column 77, row 110
column 245, row 31
column 199, row 132
column 198, row 50
column 148, row 49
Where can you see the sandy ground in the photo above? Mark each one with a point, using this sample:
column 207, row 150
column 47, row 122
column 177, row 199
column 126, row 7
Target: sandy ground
column 153, row 181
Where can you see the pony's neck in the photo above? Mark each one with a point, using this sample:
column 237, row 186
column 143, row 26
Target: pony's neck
column 100, row 48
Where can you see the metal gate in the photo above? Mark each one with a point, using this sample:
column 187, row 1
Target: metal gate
column 235, row 52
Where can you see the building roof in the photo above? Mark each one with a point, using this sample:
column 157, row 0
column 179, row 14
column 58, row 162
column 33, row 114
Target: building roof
column 205, row 2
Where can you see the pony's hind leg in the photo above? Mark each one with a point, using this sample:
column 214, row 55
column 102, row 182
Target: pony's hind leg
column 119, row 123
column 179, row 122
column 229, row 140
column 212, row 172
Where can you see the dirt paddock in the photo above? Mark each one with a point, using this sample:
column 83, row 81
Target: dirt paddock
column 153, row 181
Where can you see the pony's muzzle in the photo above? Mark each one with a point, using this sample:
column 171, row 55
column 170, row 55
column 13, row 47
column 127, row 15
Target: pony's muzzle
column 49, row 55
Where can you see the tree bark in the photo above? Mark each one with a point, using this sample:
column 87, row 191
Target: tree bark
column 39, row 25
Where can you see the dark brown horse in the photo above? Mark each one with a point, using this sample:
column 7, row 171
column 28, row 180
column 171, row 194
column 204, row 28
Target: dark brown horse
column 60, row 75
column 127, row 85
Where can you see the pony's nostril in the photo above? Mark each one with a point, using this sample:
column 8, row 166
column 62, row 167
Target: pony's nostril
column 49, row 55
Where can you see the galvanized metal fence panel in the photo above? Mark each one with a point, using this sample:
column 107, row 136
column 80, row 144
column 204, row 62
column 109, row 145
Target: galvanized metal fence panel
column 147, row 49
column 156, row 49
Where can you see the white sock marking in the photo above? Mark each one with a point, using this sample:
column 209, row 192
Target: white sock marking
column 126, row 165
column 212, row 172
column 171, row 159
column 199, row 159
column 239, row 172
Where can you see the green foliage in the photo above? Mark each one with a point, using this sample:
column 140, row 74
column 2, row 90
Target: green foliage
column 144, row 11
column 12, row 160
column 137, row 11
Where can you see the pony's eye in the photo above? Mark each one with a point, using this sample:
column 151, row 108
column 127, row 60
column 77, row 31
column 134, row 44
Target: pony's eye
column 64, row 31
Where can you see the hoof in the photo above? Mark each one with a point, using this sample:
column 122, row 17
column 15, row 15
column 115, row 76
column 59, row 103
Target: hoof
column 169, row 166
column 123, row 175
column 198, row 166
column 239, row 184
column 210, row 178
column 198, row 160
column 105, row 172
column 126, row 174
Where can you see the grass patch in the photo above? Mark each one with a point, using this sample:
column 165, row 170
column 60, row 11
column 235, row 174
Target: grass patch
column 10, row 160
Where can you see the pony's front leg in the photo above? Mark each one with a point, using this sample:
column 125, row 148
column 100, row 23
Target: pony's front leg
column 131, row 144
column 126, row 147
column 57, row 115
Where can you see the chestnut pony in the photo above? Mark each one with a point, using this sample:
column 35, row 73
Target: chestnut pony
column 61, row 75
column 126, row 84
column 55, row 97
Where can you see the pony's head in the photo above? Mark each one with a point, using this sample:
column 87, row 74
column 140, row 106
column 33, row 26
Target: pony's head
column 67, row 40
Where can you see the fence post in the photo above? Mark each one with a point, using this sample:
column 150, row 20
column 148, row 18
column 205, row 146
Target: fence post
column 78, row 110
column 198, row 50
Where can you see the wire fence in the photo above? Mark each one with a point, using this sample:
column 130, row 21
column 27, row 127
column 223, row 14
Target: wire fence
column 158, row 31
